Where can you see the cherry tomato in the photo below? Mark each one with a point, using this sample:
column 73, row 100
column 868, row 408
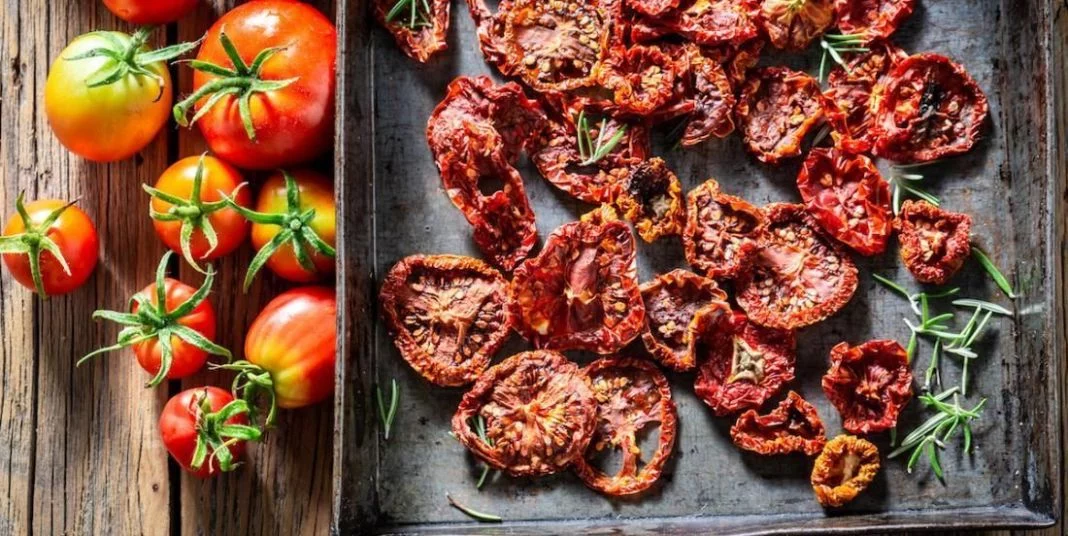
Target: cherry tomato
column 150, row 11
column 44, row 225
column 206, row 424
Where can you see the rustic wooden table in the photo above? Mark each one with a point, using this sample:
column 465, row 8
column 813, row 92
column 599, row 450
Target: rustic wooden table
column 79, row 448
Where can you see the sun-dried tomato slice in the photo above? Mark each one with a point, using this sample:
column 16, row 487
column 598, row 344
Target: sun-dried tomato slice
column 855, row 93
column 674, row 305
column 848, row 198
column 714, row 102
column 934, row 242
column 632, row 396
column 556, row 46
column 653, row 8
column 641, row 78
column 723, row 232
column 490, row 29
column 705, row 22
column 419, row 32
column 736, row 60
column 650, row 197
column 795, row 24
column 777, row 108
column 875, row 19
column 742, row 364
column 930, row 108
column 447, row 315
column 581, row 291
column 800, row 277
column 538, row 412
column 869, row 384
column 845, row 468
column 793, row 426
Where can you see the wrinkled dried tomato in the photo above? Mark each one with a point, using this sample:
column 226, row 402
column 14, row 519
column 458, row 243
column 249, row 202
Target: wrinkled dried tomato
column 800, row 277
column 855, row 92
column 556, row 46
column 601, row 215
column 447, row 315
column 742, row 364
column 538, row 410
column 419, row 33
column 934, row 242
column 869, row 384
column 650, row 197
column 705, row 22
column 795, row 24
column 793, row 426
column 930, row 108
column 653, row 8
column 632, row 395
column 478, row 101
column 489, row 26
column 777, row 108
column 641, row 78
column 723, row 233
column 875, row 19
column 848, row 198
column 845, row 468
column 714, row 102
column 674, row 305
column 581, row 291
column 736, row 60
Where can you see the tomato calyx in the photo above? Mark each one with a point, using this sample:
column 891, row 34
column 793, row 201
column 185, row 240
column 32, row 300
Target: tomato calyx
column 35, row 240
column 153, row 321
column 130, row 58
column 250, row 381
column 242, row 82
column 216, row 434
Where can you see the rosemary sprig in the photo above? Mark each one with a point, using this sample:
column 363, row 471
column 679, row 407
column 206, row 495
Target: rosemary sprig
column 834, row 45
column 417, row 11
column 387, row 414
column 992, row 269
column 931, row 436
column 475, row 514
column 904, row 182
column 592, row 150
column 480, row 429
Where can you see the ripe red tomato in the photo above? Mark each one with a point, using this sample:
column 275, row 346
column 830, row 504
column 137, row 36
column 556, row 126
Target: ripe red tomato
column 186, row 358
column 275, row 106
column 150, row 11
column 206, row 424
column 39, row 230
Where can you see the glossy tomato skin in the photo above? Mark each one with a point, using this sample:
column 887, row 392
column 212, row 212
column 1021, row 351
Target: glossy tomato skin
column 187, row 359
column 317, row 192
column 76, row 237
column 151, row 11
column 293, row 339
column 107, row 123
column 294, row 124
column 218, row 178
column 177, row 426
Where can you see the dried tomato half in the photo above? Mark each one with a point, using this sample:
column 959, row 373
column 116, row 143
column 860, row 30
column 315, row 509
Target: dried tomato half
column 793, row 426
column 651, row 198
column 632, row 395
column 855, row 92
column 934, row 242
column 869, row 384
column 848, row 198
column 538, row 412
column 705, row 22
column 581, row 291
column 800, row 277
column 845, row 468
column 737, row 60
column 641, row 78
column 742, row 364
column 723, row 233
column 418, row 26
column 714, row 102
column 930, row 108
column 876, row 19
column 777, row 108
column 556, row 46
column 447, row 315
column 795, row 24
column 675, row 303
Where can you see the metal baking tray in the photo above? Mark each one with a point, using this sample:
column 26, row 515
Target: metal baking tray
column 391, row 205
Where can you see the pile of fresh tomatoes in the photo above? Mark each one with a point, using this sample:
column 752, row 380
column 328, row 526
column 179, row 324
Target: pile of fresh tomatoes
column 263, row 98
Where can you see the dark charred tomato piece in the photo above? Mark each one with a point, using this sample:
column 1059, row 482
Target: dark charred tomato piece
column 447, row 315
column 795, row 24
column 934, row 242
column 556, row 46
column 419, row 32
column 653, row 8
column 705, row 22
column 848, row 198
column 868, row 384
column 723, row 232
column 800, row 277
column 876, row 19
column 538, row 410
column 650, row 197
column 793, row 426
column 845, row 468
column 632, row 396
column 742, row 365
column 854, row 94
column 674, row 305
column 581, row 291
column 641, row 78
column 930, row 108
column 714, row 102
column 777, row 108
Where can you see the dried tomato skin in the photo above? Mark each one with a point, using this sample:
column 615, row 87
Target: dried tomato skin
column 793, row 426
column 567, row 22
column 721, row 250
column 769, row 293
column 714, row 103
column 512, row 393
column 876, row 19
column 581, row 292
column 705, row 22
column 650, row 197
column 848, row 197
column 869, row 384
column 641, row 79
column 930, row 108
column 765, row 111
column 420, row 43
column 934, row 242
column 827, row 472
column 675, row 303
column 856, row 93
column 653, row 8
column 490, row 29
column 631, row 393
column 793, row 25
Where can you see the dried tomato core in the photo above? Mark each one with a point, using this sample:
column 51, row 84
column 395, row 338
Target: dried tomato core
column 747, row 364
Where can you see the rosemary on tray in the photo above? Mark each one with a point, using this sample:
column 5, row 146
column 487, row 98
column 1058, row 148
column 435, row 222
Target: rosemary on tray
column 592, row 149
column 992, row 269
column 834, row 45
column 480, row 429
column 475, row 514
column 903, row 181
column 416, row 12
column 931, row 436
column 387, row 414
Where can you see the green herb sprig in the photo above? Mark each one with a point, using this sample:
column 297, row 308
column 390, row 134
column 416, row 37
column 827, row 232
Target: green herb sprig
column 591, row 149
column 475, row 514
column 833, row 46
column 480, row 429
column 992, row 269
column 904, row 182
column 931, row 436
column 417, row 12
column 386, row 414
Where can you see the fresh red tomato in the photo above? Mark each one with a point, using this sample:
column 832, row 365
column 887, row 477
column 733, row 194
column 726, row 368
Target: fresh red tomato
column 151, row 11
column 206, row 424
column 41, row 230
column 271, row 103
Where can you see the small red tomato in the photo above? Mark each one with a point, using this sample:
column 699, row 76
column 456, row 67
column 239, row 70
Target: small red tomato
column 151, row 11
column 39, row 231
column 206, row 424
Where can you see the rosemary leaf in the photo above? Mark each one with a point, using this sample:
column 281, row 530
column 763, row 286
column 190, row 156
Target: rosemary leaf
column 992, row 269
column 474, row 514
